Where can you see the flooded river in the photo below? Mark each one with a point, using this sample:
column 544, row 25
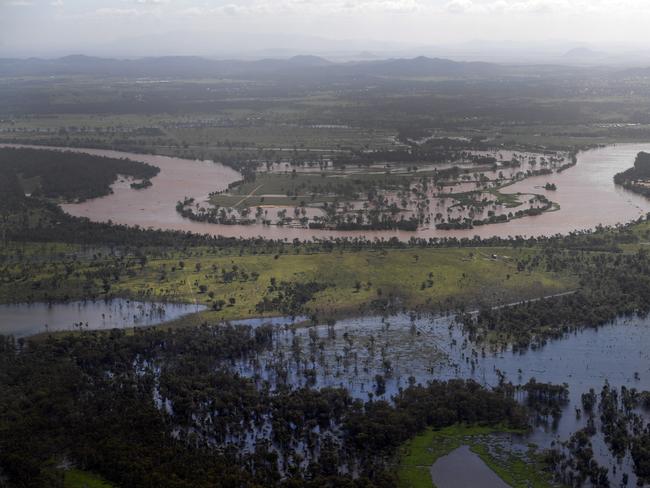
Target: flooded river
column 586, row 194
column 21, row 320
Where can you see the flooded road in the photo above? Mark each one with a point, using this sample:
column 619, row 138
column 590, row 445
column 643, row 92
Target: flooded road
column 22, row 320
column 585, row 192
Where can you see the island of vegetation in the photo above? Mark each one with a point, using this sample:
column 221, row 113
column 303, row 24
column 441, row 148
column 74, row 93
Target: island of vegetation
column 69, row 176
column 636, row 178
column 441, row 183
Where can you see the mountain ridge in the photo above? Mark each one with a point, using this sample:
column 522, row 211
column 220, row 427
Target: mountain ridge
column 196, row 66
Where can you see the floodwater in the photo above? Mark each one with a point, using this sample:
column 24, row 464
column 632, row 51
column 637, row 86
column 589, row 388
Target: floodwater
column 406, row 349
column 355, row 350
column 154, row 206
column 22, row 320
column 586, row 194
column 462, row 468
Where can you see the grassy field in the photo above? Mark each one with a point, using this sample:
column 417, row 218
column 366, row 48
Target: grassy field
column 75, row 478
column 418, row 455
column 289, row 136
column 273, row 189
column 435, row 279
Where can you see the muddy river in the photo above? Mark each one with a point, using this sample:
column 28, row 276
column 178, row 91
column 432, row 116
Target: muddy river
column 586, row 194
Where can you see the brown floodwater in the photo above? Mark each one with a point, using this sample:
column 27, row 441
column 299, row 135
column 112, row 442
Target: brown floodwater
column 586, row 194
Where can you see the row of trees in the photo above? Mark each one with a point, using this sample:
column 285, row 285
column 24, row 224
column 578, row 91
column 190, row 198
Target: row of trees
column 611, row 285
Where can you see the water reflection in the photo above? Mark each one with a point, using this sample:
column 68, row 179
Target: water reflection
column 374, row 357
column 21, row 320
column 462, row 468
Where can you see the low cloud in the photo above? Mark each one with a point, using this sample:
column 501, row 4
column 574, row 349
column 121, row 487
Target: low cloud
column 561, row 7
column 360, row 7
column 117, row 12
column 16, row 3
column 307, row 7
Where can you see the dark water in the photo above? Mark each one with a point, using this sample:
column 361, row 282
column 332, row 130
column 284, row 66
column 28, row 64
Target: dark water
column 23, row 320
column 462, row 468
column 352, row 352
column 401, row 349
column 258, row 321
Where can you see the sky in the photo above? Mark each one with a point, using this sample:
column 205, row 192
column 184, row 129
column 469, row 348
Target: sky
column 143, row 27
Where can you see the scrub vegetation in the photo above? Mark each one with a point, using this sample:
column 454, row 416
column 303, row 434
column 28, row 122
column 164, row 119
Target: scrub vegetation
column 322, row 284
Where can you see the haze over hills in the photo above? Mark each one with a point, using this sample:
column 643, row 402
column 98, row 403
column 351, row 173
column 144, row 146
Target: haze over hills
column 305, row 67
column 583, row 52
column 193, row 66
column 259, row 45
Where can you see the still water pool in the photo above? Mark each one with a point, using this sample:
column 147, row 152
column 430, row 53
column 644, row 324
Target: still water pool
column 22, row 320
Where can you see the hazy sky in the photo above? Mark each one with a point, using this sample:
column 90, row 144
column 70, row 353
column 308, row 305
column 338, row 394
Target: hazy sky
column 49, row 26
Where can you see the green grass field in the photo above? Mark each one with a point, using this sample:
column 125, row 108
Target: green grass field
column 273, row 189
column 291, row 189
column 418, row 455
column 75, row 478
column 431, row 279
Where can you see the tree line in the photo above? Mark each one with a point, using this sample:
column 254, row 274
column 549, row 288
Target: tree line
column 69, row 175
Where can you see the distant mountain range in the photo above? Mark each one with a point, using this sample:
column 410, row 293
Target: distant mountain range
column 583, row 52
column 193, row 67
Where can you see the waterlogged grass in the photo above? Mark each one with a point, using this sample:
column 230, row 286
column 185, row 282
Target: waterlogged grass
column 516, row 470
column 509, row 200
column 292, row 189
column 281, row 189
column 431, row 279
column 259, row 200
column 419, row 454
column 75, row 478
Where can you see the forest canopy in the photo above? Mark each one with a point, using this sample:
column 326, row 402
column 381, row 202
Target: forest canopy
column 68, row 175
